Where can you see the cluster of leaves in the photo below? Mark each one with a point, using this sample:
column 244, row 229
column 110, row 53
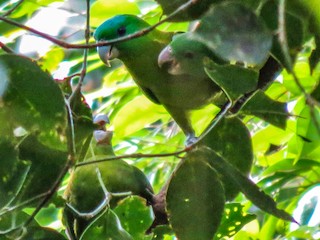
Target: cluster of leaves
column 46, row 127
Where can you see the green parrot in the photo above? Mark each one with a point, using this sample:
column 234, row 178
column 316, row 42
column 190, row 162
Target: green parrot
column 177, row 93
column 191, row 13
column 185, row 56
column 93, row 187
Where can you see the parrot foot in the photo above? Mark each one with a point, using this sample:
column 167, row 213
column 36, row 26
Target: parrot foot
column 191, row 139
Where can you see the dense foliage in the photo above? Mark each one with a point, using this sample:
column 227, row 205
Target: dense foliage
column 253, row 175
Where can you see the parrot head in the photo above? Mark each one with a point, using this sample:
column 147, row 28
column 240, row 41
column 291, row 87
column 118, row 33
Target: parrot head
column 184, row 55
column 114, row 28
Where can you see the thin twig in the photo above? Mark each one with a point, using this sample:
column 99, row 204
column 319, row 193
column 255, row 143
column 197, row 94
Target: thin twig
column 134, row 155
column 22, row 204
column 105, row 43
column 13, row 9
column 5, row 48
column 85, row 55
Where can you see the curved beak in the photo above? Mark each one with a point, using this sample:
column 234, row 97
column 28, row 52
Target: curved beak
column 167, row 61
column 165, row 58
column 107, row 53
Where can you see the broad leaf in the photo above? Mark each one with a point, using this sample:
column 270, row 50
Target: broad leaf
column 261, row 106
column 248, row 188
column 12, row 172
column 135, row 115
column 234, row 80
column 195, row 198
column 233, row 220
column 234, row 33
column 135, row 216
column 46, row 165
column 29, row 96
column 234, row 145
column 42, row 233
column 294, row 28
column 106, row 226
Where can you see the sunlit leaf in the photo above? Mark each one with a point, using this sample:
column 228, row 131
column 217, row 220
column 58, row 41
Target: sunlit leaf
column 307, row 128
column 137, row 114
column 102, row 10
column 233, row 220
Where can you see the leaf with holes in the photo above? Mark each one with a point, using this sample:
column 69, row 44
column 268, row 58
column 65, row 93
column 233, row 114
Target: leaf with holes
column 233, row 220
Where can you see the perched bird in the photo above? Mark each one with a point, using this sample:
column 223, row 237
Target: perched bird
column 191, row 13
column 185, row 56
column 93, row 187
column 177, row 93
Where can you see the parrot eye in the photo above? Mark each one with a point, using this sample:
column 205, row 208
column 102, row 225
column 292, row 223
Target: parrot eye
column 188, row 55
column 121, row 31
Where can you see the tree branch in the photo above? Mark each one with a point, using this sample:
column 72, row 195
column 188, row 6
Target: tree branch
column 105, row 43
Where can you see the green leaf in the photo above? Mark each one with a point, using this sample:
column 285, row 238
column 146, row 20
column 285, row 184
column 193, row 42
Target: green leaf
column 12, row 172
column 233, row 220
column 102, row 10
column 261, row 106
column 134, row 216
column 248, row 188
column 137, row 114
column 294, row 27
column 234, row 145
column 314, row 58
column 106, row 226
column 307, row 128
column 316, row 93
column 234, row 33
column 29, row 96
column 46, row 165
column 42, row 233
column 233, row 79
column 9, row 225
column 195, row 198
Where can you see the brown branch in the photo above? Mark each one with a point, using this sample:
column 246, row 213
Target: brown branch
column 105, row 43
column 5, row 48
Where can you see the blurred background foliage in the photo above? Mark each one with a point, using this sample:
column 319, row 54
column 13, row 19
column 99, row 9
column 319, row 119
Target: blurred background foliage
column 286, row 161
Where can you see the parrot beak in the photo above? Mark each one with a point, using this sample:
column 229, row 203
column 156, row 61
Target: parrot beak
column 165, row 58
column 167, row 61
column 107, row 53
